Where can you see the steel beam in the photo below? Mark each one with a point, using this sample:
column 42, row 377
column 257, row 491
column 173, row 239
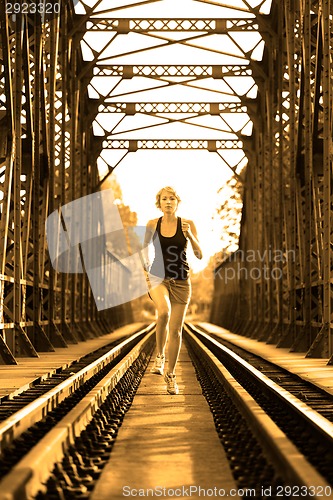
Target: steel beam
column 176, row 71
column 124, row 26
column 133, row 145
column 198, row 108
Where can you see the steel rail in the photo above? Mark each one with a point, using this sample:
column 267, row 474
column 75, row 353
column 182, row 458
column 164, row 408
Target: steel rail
column 288, row 460
column 317, row 421
column 20, row 421
column 31, row 473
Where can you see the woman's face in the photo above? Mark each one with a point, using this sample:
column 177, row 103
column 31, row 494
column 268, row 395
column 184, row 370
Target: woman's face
column 168, row 202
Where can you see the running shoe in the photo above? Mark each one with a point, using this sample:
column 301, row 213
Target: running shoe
column 158, row 366
column 172, row 387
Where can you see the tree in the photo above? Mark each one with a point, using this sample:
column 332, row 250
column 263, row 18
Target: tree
column 126, row 242
column 122, row 243
column 230, row 214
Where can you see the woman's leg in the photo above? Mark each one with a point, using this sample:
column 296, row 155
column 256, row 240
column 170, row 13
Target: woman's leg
column 160, row 297
column 177, row 317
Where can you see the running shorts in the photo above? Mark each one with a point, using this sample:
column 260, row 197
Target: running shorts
column 179, row 290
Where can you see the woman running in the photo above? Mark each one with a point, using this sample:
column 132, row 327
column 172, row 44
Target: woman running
column 168, row 279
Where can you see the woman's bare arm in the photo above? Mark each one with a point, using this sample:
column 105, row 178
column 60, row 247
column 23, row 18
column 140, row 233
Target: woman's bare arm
column 147, row 239
column 190, row 231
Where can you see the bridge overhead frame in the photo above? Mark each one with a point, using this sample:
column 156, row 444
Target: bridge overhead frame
column 49, row 156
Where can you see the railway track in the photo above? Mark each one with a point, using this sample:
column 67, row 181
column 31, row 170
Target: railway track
column 61, row 446
column 306, row 429
column 42, row 385
column 315, row 397
column 32, row 439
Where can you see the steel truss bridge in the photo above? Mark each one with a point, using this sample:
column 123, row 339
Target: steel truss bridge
column 52, row 102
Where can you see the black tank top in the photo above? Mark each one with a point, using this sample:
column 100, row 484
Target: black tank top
column 173, row 248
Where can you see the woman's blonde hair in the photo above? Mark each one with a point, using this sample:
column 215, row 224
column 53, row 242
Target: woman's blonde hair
column 170, row 190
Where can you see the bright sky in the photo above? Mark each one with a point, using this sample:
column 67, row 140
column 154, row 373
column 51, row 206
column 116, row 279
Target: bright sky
column 133, row 108
column 196, row 176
